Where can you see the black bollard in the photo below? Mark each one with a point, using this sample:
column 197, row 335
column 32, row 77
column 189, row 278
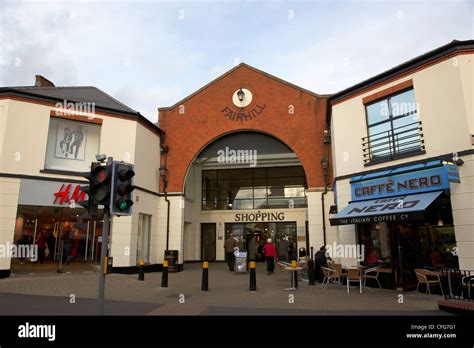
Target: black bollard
column 253, row 277
column 164, row 276
column 141, row 270
column 295, row 274
column 205, row 276
column 311, row 275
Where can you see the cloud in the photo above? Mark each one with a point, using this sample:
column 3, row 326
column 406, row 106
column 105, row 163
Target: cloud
column 147, row 54
column 378, row 36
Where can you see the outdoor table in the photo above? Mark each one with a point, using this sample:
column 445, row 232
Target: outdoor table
column 292, row 271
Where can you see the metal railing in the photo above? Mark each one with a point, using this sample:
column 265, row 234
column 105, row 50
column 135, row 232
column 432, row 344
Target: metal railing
column 387, row 145
column 460, row 284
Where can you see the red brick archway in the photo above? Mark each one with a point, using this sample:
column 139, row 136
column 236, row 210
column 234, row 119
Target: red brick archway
column 292, row 115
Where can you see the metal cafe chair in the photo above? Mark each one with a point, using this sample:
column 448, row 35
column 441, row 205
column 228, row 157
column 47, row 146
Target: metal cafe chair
column 422, row 276
column 354, row 275
column 467, row 282
column 329, row 274
column 338, row 269
column 372, row 273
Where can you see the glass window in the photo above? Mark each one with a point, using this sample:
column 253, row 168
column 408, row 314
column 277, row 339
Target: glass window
column 143, row 238
column 377, row 112
column 393, row 127
column 376, row 240
column 251, row 188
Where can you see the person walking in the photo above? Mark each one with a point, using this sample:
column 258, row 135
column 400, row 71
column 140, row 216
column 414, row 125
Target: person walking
column 270, row 252
column 229, row 245
column 291, row 252
column 41, row 244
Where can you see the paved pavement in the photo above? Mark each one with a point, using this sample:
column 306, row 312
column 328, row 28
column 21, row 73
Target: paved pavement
column 228, row 294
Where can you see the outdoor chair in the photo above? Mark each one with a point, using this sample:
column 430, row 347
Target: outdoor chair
column 338, row 269
column 281, row 266
column 372, row 273
column 467, row 282
column 329, row 274
column 354, row 275
column 303, row 263
column 422, row 276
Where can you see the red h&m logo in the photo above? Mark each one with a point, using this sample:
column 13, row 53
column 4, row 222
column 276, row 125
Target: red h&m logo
column 64, row 194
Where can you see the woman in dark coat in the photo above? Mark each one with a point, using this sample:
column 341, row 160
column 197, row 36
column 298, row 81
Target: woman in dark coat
column 320, row 260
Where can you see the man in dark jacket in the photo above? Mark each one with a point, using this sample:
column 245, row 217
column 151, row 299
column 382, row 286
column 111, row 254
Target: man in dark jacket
column 320, row 261
column 229, row 246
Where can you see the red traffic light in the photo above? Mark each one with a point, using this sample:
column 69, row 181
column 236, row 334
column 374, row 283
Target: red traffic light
column 126, row 174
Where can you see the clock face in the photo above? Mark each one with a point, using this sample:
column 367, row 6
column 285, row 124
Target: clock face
column 247, row 99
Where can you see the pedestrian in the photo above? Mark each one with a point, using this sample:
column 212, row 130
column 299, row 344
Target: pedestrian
column 41, row 244
column 320, row 260
column 229, row 245
column 253, row 248
column 291, row 252
column 271, row 255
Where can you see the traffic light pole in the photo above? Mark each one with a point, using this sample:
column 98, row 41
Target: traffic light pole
column 103, row 257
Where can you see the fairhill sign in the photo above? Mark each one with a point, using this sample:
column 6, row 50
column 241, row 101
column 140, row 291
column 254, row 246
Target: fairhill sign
column 243, row 116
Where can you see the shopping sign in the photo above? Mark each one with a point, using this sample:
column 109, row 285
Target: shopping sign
column 66, row 194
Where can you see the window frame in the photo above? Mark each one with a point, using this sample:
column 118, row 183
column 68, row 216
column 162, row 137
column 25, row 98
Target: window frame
column 218, row 202
column 393, row 155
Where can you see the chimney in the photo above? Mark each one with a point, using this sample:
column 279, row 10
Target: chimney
column 41, row 81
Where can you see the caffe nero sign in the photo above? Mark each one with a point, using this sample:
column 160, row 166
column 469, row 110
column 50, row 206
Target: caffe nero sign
column 432, row 179
column 401, row 197
column 391, row 209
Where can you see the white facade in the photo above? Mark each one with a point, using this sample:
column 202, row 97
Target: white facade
column 444, row 94
column 23, row 144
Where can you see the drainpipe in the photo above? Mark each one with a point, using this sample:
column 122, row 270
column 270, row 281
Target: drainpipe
column 324, row 217
column 165, row 184
column 163, row 175
column 325, row 165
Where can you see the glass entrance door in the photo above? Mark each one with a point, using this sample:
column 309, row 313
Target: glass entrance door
column 251, row 237
column 406, row 254
column 208, row 242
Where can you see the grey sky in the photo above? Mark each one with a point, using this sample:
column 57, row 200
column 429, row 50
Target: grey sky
column 153, row 53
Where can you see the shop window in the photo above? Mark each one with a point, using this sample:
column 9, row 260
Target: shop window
column 393, row 128
column 71, row 145
column 438, row 246
column 254, row 188
column 143, row 238
column 376, row 240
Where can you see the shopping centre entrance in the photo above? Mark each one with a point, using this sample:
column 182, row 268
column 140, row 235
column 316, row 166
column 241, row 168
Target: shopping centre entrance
column 252, row 237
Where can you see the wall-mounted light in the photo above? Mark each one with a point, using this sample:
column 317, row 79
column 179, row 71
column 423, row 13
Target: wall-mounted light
column 241, row 94
column 327, row 137
column 163, row 170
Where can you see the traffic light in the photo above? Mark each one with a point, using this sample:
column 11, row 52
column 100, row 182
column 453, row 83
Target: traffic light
column 122, row 187
column 100, row 184
column 89, row 204
column 98, row 189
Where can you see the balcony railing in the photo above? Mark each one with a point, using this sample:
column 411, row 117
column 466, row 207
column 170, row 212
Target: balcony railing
column 394, row 143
